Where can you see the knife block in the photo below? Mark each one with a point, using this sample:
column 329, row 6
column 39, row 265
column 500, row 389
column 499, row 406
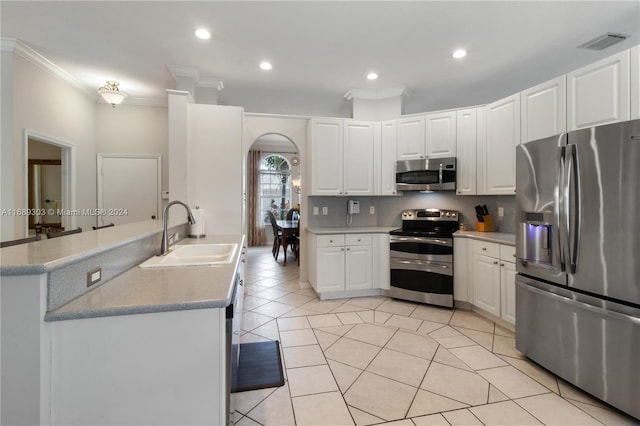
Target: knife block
column 487, row 225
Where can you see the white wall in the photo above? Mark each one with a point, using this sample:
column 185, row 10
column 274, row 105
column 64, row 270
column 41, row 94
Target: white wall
column 50, row 106
column 129, row 129
column 7, row 144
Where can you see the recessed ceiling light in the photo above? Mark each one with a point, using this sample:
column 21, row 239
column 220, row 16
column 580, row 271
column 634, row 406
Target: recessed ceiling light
column 265, row 65
column 203, row 34
column 460, row 53
column 372, row 76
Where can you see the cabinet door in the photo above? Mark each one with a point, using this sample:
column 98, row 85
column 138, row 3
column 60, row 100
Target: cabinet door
column 440, row 135
column 411, row 144
column 389, row 144
column 486, row 285
column 461, row 276
column 635, row 82
column 330, row 269
column 327, row 150
column 508, row 291
column 359, row 264
column 503, row 135
column 466, row 136
column 599, row 93
column 544, row 110
column 358, row 158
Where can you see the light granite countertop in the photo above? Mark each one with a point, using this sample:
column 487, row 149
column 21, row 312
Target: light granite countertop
column 145, row 290
column 353, row 230
column 492, row 237
column 47, row 255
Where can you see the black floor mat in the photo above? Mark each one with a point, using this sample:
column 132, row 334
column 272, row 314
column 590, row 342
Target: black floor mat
column 260, row 366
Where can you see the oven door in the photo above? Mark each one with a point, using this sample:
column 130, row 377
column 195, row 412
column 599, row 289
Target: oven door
column 422, row 281
column 431, row 249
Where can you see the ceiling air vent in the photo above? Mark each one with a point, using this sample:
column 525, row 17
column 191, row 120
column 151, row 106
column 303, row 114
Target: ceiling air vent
column 604, row 41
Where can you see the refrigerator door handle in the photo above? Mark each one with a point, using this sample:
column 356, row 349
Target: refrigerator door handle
column 559, row 210
column 574, row 209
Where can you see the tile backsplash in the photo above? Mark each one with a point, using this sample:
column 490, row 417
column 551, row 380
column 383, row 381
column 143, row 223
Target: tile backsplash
column 388, row 209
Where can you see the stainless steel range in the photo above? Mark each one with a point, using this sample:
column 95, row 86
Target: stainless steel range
column 421, row 257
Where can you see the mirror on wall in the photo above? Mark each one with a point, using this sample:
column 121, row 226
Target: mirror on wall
column 45, row 195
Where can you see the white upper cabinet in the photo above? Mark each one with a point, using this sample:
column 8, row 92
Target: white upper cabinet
column 497, row 156
column 411, row 144
column 326, row 156
column 341, row 157
column 635, row 82
column 358, row 157
column 440, row 135
column 467, row 135
column 599, row 93
column 544, row 110
column 388, row 149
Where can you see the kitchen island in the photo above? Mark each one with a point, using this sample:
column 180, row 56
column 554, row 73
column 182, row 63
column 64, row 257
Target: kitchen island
column 146, row 346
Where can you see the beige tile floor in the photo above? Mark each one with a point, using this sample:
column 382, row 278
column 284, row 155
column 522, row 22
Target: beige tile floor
column 375, row 360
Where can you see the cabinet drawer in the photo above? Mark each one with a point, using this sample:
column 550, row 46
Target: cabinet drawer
column 334, row 240
column 358, row 239
column 507, row 253
column 487, row 249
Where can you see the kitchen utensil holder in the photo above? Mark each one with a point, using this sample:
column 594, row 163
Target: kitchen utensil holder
column 487, row 225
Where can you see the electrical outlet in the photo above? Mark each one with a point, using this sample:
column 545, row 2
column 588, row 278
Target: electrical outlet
column 316, row 211
column 372, row 209
column 94, row 276
column 500, row 211
column 325, row 210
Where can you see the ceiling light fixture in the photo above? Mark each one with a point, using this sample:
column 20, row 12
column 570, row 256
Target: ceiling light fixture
column 111, row 94
column 202, row 34
column 266, row 66
column 460, row 53
column 372, row 76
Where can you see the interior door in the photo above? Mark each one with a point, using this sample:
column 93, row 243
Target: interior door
column 128, row 188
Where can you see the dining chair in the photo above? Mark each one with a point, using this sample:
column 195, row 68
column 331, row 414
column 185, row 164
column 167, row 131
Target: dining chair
column 290, row 213
column 277, row 235
column 4, row 244
column 63, row 233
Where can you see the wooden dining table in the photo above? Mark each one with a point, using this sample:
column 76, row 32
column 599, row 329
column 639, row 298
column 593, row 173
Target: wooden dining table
column 288, row 227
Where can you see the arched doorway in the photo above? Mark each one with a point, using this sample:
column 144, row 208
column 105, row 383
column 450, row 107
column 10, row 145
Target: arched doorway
column 273, row 184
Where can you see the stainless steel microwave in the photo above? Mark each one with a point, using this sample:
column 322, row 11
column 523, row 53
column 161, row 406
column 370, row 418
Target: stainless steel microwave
column 436, row 174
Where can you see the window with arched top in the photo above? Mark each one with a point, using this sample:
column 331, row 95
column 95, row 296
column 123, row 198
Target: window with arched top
column 275, row 185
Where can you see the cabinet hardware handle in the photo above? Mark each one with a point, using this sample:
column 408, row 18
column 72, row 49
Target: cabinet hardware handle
column 241, row 282
column 348, row 249
column 330, row 241
column 341, row 249
column 244, row 260
column 484, row 248
column 495, row 262
column 502, row 264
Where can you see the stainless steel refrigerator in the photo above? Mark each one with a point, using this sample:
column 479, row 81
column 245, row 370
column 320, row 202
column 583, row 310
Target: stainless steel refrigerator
column 578, row 259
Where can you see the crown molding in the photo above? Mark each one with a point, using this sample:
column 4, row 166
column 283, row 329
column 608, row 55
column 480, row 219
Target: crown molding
column 8, row 44
column 192, row 72
column 213, row 84
column 181, row 93
column 373, row 94
column 184, row 71
column 26, row 52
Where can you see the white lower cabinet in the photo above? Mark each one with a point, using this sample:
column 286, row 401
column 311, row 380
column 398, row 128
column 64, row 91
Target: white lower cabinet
column 341, row 262
column 493, row 272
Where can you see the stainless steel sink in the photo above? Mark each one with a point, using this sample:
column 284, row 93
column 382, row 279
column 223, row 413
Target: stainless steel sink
column 194, row 255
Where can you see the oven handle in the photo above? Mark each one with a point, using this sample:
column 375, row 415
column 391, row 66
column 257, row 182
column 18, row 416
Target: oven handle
column 424, row 266
column 438, row 241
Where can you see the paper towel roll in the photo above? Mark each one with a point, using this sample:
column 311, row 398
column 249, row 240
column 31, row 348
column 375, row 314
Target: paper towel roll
column 197, row 229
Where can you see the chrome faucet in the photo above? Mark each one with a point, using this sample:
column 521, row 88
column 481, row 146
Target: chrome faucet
column 164, row 246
